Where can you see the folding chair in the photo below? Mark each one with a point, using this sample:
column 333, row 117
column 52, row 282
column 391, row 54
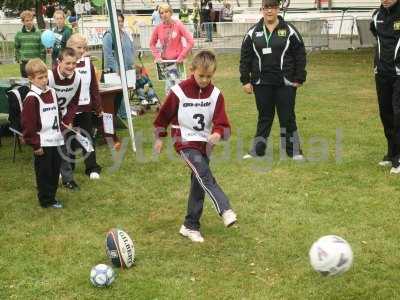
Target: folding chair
column 16, row 96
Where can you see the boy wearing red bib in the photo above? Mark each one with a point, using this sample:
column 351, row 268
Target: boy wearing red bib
column 41, row 130
column 67, row 85
column 89, row 101
column 195, row 109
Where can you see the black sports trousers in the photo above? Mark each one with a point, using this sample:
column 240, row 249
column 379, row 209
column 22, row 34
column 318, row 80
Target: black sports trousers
column 47, row 170
column 282, row 98
column 388, row 92
column 84, row 121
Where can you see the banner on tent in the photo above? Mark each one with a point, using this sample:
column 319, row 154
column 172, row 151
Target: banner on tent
column 94, row 35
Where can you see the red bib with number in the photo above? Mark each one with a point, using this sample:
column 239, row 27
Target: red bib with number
column 50, row 133
column 65, row 93
column 195, row 115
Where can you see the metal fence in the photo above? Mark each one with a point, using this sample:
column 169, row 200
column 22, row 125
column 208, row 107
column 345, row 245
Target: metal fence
column 6, row 49
column 317, row 34
column 230, row 35
column 364, row 33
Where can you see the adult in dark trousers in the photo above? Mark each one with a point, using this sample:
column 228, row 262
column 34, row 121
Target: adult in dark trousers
column 385, row 26
column 272, row 65
column 208, row 19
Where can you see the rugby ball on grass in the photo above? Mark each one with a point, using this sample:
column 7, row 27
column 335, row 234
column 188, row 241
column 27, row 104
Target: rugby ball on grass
column 120, row 248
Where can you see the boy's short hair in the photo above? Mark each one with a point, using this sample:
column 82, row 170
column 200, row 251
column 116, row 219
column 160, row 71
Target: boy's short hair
column 165, row 7
column 26, row 14
column 270, row 3
column 67, row 51
column 35, row 66
column 75, row 38
column 204, row 59
column 59, row 12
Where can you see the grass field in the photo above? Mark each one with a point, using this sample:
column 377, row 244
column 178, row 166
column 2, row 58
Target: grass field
column 282, row 206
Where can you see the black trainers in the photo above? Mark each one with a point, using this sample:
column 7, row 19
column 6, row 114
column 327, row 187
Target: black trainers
column 71, row 185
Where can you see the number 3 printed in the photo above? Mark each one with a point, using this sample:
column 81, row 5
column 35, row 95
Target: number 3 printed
column 200, row 120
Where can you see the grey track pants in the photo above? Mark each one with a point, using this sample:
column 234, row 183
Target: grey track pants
column 202, row 181
column 66, row 171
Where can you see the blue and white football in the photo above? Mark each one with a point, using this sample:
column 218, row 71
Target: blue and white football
column 120, row 248
column 102, row 275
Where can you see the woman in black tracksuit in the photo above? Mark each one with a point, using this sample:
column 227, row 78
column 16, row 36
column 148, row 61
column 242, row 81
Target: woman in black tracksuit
column 385, row 26
column 272, row 65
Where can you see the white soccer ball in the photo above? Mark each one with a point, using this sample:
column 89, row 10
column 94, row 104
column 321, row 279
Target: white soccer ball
column 102, row 275
column 331, row 255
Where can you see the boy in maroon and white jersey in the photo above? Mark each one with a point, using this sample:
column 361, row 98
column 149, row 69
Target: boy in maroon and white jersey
column 89, row 101
column 41, row 130
column 195, row 109
column 67, row 85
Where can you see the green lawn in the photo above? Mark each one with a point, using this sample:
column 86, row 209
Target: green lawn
column 282, row 206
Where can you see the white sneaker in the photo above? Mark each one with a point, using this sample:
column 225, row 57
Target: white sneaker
column 144, row 102
column 229, row 217
column 193, row 235
column 247, row 156
column 385, row 163
column 394, row 170
column 299, row 157
column 94, row 176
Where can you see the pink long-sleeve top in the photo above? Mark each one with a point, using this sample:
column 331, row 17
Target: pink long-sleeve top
column 170, row 38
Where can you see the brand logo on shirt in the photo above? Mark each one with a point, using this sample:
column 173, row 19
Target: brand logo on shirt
column 49, row 108
column 68, row 89
column 396, row 25
column 197, row 104
column 259, row 33
column 282, row 32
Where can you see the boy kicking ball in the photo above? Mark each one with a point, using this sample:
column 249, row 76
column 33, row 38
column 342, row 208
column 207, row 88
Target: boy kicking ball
column 195, row 109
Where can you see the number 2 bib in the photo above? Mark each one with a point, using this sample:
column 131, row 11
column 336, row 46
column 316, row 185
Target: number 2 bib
column 65, row 93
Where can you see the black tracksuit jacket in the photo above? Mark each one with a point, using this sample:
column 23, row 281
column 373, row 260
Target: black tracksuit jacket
column 287, row 60
column 385, row 26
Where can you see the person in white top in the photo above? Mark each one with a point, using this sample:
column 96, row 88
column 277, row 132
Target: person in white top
column 67, row 84
column 89, row 101
column 41, row 129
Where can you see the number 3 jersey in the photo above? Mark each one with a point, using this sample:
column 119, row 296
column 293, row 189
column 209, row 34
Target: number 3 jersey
column 194, row 113
column 41, row 119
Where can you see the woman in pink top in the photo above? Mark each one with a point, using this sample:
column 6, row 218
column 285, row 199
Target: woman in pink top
column 166, row 41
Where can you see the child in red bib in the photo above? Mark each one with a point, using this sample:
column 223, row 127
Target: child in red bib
column 89, row 102
column 41, row 130
column 195, row 109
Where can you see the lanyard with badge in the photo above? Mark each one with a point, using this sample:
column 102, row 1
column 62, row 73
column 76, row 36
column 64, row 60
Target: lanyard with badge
column 267, row 50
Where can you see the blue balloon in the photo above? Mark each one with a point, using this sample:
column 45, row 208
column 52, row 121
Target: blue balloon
column 48, row 38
